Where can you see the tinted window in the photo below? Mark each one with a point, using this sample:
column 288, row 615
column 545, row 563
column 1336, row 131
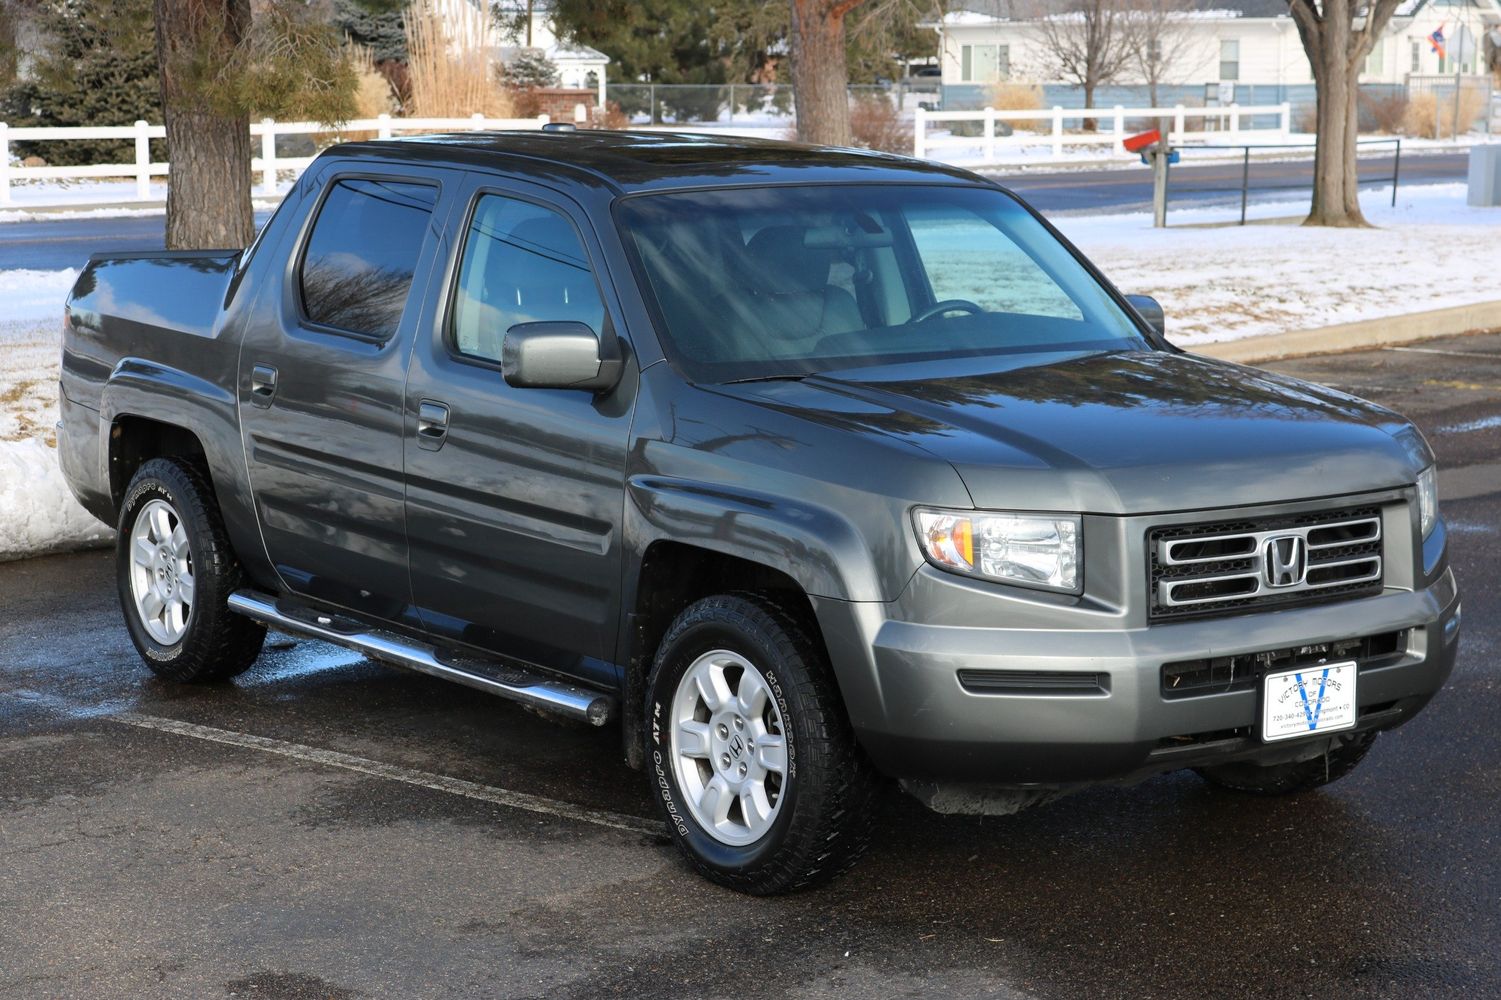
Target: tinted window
column 522, row 264
column 967, row 259
column 792, row 280
column 360, row 257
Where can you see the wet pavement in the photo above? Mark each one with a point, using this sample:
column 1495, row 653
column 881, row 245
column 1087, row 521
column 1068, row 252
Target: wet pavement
column 327, row 828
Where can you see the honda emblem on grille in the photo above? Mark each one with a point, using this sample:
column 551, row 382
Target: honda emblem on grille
column 1284, row 560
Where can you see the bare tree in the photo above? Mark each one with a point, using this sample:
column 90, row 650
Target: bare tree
column 1162, row 42
column 1337, row 43
column 1084, row 42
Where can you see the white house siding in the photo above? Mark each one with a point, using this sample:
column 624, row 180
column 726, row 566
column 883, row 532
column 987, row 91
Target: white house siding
column 1270, row 51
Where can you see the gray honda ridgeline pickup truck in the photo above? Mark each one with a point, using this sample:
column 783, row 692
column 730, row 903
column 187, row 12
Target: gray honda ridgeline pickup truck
column 806, row 466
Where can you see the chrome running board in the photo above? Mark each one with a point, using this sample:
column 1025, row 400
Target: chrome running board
column 516, row 683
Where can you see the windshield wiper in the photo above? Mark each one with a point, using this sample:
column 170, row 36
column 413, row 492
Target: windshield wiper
column 783, row 377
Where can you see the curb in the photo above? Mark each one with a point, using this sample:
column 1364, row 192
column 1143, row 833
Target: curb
column 1450, row 322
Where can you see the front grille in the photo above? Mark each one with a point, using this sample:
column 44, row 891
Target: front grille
column 1242, row 672
column 1233, row 567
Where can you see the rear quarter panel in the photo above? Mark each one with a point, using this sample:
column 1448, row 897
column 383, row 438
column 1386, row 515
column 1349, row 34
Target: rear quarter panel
column 155, row 336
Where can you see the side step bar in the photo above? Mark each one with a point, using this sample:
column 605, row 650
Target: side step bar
column 497, row 678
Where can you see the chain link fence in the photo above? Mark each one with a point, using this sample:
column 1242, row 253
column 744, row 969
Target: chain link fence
column 767, row 105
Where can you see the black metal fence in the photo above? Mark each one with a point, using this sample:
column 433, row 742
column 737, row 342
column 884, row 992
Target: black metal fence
column 1262, row 169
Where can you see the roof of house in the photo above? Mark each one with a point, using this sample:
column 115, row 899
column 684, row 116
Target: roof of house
column 982, row 11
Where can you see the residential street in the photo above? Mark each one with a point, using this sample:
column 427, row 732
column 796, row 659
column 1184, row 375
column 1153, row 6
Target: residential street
column 53, row 243
column 325, row 827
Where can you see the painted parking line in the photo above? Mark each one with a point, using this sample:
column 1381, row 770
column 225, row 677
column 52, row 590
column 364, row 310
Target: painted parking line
column 114, row 712
column 393, row 772
column 1437, row 350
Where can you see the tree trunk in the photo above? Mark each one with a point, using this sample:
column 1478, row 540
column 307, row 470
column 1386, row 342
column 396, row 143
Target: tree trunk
column 208, row 190
column 1336, row 190
column 820, row 78
column 1336, row 50
column 1090, row 124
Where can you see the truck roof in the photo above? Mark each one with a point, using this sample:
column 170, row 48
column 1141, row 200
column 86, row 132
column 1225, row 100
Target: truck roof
column 637, row 161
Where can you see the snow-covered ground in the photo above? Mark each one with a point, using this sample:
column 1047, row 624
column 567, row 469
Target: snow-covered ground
column 1227, row 282
column 1216, row 282
column 37, row 513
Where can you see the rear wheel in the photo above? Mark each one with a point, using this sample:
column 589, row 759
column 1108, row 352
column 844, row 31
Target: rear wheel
column 175, row 572
column 1344, row 753
column 751, row 757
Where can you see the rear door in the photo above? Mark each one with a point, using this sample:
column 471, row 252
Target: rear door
column 514, row 503
column 322, row 385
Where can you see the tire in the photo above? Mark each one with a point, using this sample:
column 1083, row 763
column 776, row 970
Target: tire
column 181, row 543
column 821, row 802
column 1296, row 776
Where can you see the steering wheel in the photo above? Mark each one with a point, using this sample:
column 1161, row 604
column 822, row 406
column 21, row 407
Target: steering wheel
column 946, row 306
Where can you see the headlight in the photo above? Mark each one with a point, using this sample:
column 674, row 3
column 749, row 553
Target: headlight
column 1027, row 549
column 1428, row 499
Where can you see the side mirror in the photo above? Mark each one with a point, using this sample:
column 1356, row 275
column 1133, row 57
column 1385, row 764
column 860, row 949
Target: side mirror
column 1150, row 310
column 559, row 356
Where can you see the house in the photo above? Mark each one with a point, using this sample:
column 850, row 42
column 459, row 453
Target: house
column 1224, row 50
column 527, row 24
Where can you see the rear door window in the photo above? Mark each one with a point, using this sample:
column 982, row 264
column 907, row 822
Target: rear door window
column 356, row 272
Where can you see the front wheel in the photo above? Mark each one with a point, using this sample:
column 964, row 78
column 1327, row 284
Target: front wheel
column 175, row 571
column 1344, row 753
column 750, row 755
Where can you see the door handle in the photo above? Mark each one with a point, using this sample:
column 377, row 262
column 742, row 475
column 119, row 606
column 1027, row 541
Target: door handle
column 262, row 385
column 432, row 424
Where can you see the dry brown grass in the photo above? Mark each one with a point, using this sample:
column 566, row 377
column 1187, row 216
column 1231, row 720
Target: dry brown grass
column 1423, row 109
column 450, row 77
column 1384, row 114
column 1019, row 97
column 373, row 96
column 876, row 124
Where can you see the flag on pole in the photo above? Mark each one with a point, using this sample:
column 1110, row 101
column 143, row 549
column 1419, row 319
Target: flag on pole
column 1437, row 41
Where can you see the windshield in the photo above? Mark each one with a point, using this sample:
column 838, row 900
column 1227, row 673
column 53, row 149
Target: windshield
column 788, row 281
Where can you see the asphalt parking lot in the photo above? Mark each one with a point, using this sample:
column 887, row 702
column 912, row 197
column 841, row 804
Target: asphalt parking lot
column 324, row 827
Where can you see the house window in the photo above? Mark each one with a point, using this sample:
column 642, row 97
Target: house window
column 1417, row 57
column 984, row 63
column 1229, row 59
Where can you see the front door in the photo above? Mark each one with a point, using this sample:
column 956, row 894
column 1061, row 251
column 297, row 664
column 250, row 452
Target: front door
column 515, row 496
column 322, row 383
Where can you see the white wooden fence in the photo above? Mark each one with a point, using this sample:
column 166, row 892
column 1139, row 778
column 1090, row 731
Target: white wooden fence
column 1228, row 122
column 267, row 165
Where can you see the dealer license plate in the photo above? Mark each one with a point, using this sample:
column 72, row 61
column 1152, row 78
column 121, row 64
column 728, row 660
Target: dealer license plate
column 1307, row 702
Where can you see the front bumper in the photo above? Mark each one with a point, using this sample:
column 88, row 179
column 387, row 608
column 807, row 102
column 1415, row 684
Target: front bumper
column 917, row 721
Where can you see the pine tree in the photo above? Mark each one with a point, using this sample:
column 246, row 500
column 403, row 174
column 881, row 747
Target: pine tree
column 531, row 69
column 378, row 29
column 98, row 69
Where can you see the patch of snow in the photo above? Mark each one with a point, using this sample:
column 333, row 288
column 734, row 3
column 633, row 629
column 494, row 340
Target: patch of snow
column 37, row 512
column 1479, row 424
column 1226, row 282
column 33, row 295
column 40, row 514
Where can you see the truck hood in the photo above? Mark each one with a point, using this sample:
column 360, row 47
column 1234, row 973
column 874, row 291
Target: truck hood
column 1121, row 433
